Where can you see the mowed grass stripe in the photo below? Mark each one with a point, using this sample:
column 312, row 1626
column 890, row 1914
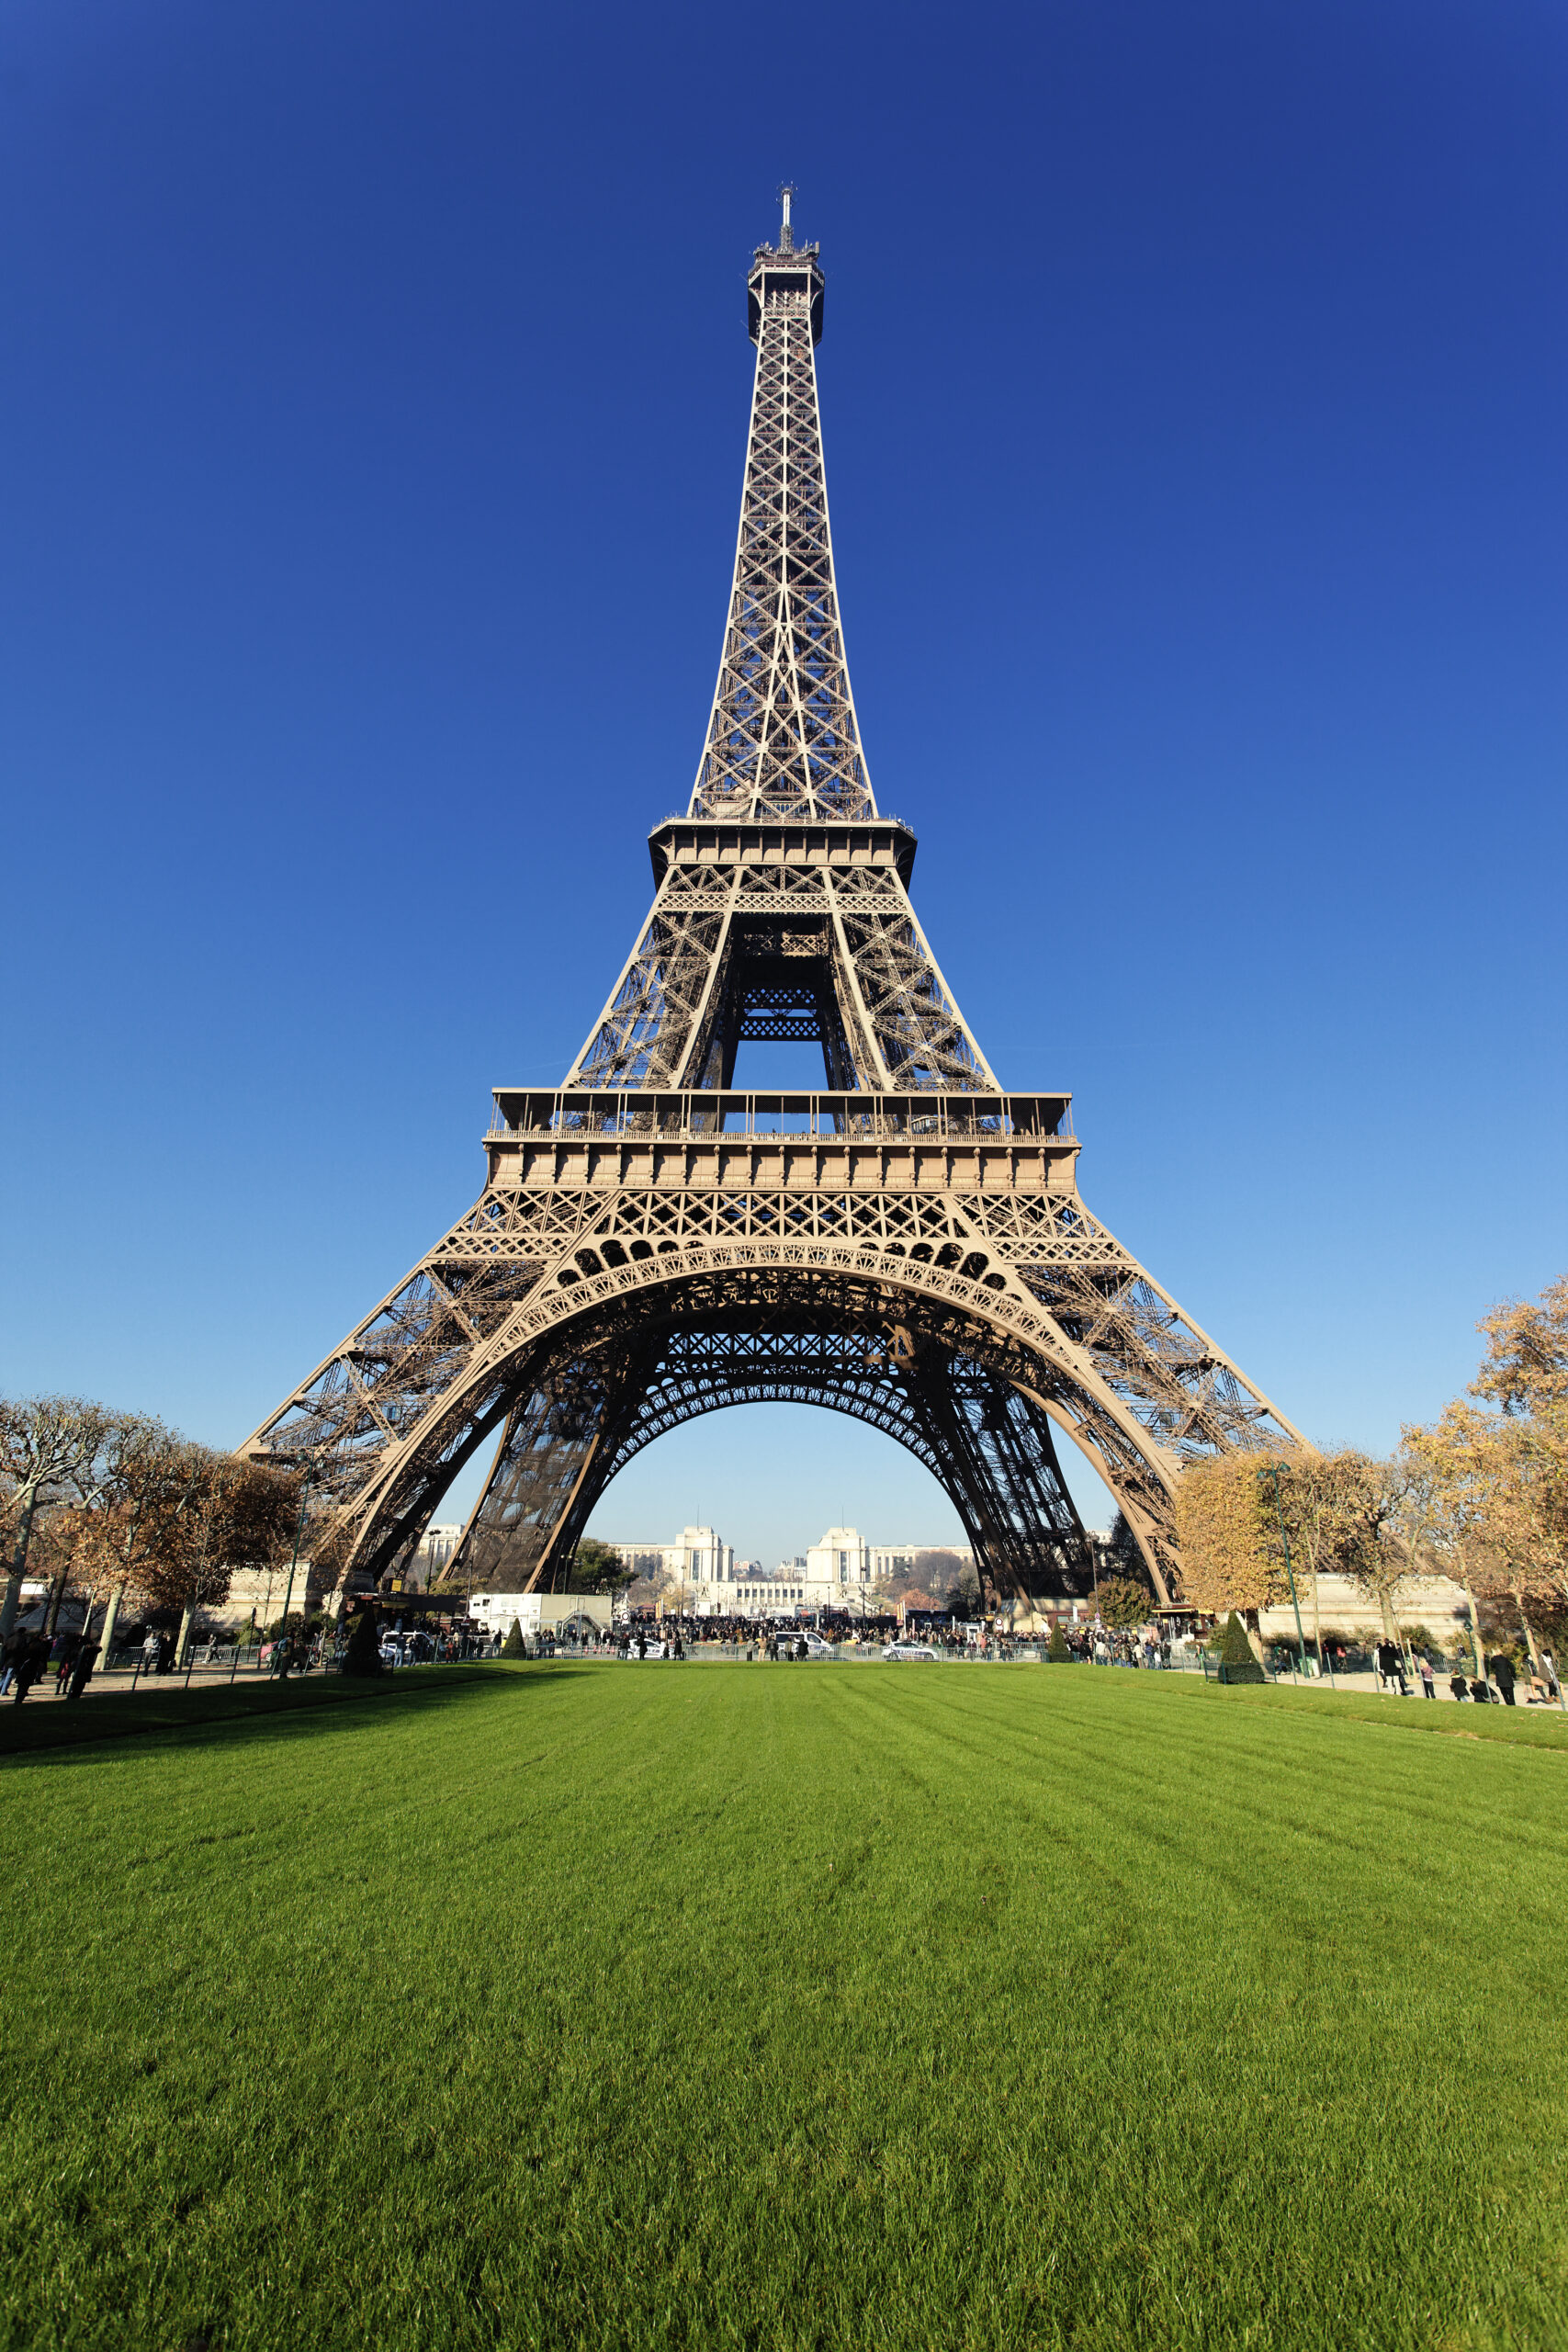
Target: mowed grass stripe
column 765, row 2006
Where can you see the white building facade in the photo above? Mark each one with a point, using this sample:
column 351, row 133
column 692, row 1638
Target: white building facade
column 698, row 1564
column 702, row 1578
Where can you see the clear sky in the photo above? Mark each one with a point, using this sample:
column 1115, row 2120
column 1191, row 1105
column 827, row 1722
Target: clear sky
column 1193, row 388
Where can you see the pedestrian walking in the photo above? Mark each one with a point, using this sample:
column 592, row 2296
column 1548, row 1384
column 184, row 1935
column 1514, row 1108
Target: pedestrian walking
column 1458, row 1686
column 82, row 1671
column 70, row 1644
column 15, row 1643
column 31, row 1660
column 1502, row 1673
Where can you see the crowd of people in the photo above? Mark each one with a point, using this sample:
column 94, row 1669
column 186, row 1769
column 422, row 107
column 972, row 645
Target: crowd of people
column 1497, row 1686
column 30, row 1654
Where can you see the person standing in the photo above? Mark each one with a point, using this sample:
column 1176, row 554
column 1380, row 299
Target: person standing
column 1458, row 1686
column 1500, row 1669
column 1429, row 1679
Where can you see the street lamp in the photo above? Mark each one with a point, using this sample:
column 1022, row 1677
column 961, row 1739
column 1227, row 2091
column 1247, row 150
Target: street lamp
column 1273, row 1472
column 299, row 1539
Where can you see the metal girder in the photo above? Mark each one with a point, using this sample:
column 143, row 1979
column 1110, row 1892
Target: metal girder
column 989, row 1445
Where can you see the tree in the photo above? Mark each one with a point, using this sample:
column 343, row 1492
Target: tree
column 1307, row 1496
column 1230, row 1558
column 1123, row 1552
column 933, row 1571
column 1494, row 1482
column 1496, row 1496
column 514, row 1646
column 596, row 1568
column 239, row 1515
column 963, row 1597
column 147, row 1476
column 1056, row 1649
column 49, row 1448
column 1525, row 1369
column 1123, row 1603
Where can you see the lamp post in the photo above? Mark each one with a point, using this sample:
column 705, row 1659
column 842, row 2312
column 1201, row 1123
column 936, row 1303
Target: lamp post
column 299, row 1539
column 1273, row 1472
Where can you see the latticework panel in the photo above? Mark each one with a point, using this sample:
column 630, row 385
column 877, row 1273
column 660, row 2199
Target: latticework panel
column 989, row 1445
column 883, row 1014
column 530, row 1290
column 375, row 1389
column 922, row 1038
column 644, row 1032
column 783, row 737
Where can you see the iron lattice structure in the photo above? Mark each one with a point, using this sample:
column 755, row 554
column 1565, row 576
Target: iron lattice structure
column 908, row 1246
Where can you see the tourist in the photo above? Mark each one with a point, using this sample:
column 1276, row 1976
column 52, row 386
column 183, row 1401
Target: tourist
column 1391, row 1666
column 1429, row 1679
column 82, row 1669
column 1481, row 1692
column 1502, row 1671
column 1458, row 1686
column 1549, row 1667
column 15, row 1643
column 30, row 1661
column 69, row 1646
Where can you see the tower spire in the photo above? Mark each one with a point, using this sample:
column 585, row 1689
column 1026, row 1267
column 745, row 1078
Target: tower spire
column 783, row 739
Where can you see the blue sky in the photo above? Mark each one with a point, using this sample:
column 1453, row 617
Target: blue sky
column 375, row 399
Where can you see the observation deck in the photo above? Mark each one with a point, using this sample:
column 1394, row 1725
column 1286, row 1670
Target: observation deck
column 546, row 1139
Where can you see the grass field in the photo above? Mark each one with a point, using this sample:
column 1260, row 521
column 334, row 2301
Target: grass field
column 787, row 2006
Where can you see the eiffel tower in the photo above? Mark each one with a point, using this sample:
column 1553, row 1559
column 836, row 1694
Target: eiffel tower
column 908, row 1246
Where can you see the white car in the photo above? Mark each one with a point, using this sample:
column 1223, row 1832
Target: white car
column 911, row 1651
column 791, row 1638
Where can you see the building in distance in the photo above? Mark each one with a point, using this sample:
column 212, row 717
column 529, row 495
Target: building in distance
column 699, row 1575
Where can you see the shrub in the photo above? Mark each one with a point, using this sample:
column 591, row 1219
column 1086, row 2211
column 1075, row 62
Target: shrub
column 1234, row 1647
column 1238, row 1663
column 513, row 1647
column 1058, row 1653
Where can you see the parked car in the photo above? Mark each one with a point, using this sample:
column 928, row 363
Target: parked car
column 908, row 1652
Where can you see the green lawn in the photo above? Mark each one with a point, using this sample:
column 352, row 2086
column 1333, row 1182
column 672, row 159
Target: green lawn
column 777, row 2005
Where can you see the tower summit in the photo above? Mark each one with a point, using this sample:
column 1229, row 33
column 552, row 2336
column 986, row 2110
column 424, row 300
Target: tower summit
column 907, row 1245
column 783, row 739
